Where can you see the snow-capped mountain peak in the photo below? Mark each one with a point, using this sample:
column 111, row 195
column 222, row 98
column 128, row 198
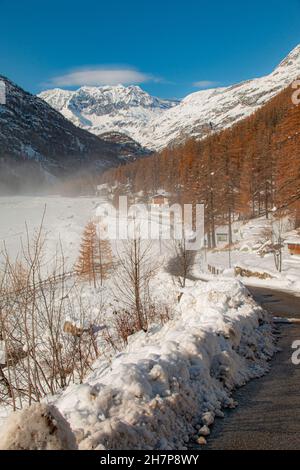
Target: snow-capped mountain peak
column 57, row 98
column 124, row 109
column 156, row 123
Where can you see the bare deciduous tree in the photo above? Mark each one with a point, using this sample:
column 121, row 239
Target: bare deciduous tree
column 182, row 263
column 136, row 268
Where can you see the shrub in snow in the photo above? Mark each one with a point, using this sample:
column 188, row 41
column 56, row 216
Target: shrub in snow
column 42, row 351
column 39, row 427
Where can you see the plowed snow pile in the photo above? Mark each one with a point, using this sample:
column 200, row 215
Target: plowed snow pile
column 173, row 379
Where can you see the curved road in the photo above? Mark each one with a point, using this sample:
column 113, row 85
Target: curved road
column 268, row 415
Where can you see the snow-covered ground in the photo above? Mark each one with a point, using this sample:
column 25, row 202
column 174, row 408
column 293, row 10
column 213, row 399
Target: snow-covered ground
column 64, row 222
column 249, row 251
column 171, row 380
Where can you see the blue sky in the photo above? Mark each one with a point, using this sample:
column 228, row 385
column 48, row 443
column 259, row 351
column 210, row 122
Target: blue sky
column 170, row 48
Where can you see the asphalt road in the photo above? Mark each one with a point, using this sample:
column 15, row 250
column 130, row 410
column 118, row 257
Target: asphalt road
column 268, row 415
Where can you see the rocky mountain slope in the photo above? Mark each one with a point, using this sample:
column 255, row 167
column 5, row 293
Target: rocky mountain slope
column 36, row 139
column 156, row 123
column 126, row 110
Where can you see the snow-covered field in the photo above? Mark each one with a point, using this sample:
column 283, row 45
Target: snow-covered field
column 64, row 222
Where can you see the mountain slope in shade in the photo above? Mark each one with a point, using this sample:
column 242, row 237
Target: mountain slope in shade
column 155, row 123
column 33, row 134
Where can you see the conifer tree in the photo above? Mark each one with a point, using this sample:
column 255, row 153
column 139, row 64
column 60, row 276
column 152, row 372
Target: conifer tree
column 95, row 256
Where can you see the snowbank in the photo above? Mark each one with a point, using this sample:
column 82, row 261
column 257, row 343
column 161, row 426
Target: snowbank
column 40, row 427
column 167, row 386
column 154, row 394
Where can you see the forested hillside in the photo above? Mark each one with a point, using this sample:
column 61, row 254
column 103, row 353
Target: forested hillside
column 242, row 172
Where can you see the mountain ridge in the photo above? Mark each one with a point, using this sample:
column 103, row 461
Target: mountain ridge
column 194, row 116
column 127, row 110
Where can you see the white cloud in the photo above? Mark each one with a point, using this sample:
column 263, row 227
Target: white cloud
column 102, row 76
column 205, row 84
